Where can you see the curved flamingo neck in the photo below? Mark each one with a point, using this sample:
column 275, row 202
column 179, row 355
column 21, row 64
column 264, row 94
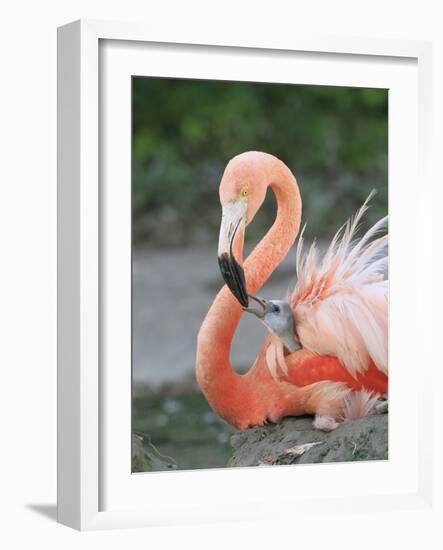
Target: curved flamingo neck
column 228, row 392
column 274, row 246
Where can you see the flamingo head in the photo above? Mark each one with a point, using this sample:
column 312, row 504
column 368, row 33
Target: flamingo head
column 242, row 192
column 277, row 317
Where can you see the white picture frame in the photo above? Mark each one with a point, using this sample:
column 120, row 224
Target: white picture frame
column 95, row 486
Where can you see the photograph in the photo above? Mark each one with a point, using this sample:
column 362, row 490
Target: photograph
column 260, row 284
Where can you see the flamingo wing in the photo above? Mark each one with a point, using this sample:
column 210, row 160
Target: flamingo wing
column 340, row 302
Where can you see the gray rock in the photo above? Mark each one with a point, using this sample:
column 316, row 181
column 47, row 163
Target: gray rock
column 147, row 458
column 362, row 439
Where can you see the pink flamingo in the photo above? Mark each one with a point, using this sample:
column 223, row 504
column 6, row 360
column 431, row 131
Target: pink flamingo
column 333, row 364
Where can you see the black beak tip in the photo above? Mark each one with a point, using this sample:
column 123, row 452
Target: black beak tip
column 234, row 277
column 242, row 301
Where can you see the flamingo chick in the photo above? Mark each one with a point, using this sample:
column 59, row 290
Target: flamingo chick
column 277, row 317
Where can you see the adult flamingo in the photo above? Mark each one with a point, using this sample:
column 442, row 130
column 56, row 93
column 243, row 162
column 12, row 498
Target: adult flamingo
column 332, row 366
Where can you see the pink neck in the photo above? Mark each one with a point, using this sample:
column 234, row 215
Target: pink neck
column 224, row 389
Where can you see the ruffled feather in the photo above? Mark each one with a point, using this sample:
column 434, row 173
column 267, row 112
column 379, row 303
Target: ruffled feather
column 340, row 302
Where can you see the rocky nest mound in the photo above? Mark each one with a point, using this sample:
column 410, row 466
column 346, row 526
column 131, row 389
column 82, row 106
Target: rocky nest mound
column 295, row 441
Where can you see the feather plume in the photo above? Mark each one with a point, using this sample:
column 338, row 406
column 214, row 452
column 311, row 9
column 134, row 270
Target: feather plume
column 275, row 358
column 359, row 404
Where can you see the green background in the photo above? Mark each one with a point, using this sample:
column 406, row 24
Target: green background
column 334, row 140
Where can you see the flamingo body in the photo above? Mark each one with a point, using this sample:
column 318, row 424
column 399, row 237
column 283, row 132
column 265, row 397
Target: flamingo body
column 308, row 368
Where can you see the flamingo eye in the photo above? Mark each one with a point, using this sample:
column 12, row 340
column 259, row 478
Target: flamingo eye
column 275, row 308
column 244, row 192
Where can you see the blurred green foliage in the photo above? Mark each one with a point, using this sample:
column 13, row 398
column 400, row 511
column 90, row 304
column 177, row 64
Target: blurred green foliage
column 334, row 139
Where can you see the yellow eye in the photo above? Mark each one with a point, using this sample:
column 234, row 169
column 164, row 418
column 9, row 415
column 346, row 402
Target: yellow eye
column 244, row 192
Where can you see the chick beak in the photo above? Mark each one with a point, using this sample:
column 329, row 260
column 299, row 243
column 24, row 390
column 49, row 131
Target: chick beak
column 258, row 312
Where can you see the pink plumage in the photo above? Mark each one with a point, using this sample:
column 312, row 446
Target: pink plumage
column 340, row 302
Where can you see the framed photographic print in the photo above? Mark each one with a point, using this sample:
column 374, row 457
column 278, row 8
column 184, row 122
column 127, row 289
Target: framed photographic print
column 231, row 321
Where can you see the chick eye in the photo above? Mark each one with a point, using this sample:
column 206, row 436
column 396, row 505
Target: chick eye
column 275, row 308
column 244, row 192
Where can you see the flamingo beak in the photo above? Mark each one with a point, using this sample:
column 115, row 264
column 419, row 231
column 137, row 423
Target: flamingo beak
column 232, row 272
column 258, row 312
